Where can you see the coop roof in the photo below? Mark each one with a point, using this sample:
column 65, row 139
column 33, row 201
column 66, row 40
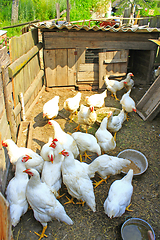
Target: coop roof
column 70, row 27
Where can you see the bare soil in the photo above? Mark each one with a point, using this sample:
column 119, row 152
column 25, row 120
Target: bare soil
column 135, row 134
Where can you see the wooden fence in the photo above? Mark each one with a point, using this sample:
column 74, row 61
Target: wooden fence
column 20, row 73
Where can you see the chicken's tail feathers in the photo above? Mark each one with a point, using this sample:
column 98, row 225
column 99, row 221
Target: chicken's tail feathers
column 65, row 218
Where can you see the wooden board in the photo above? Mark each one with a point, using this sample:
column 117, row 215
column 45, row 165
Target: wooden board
column 91, row 39
column 149, row 105
column 5, row 225
column 113, row 64
column 25, row 134
column 71, row 79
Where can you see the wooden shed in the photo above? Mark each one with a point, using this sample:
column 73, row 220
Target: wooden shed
column 75, row 55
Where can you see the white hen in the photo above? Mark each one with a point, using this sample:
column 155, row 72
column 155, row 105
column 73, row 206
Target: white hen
column 86, row 142
column 66, row 140
column 77, row 181
column 104, row 137
column 51, row 173
column 119, row 196
column 51, row 108
column 128, row 104
column 106, row 165
column 115, row 122
column 43, row 202
column 47, row 152
column 35, row 160
column 16, row 193
column 96, row 100
column 128, row 81
column 72, row 104
column 113, row 86
column 86, row 116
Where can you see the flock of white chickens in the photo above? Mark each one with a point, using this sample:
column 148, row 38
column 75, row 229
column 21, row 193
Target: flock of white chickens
column 38, row 178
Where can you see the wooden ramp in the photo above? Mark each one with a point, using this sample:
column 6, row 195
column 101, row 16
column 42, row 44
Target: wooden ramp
column 149, row 105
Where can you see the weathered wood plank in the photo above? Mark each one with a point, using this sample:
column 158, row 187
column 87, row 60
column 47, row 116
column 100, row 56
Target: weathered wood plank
column 6, row 230
column 50, row 67
column 87, row 76
column 89, row 67
column 61, row 63
column 71, row 67
column 4, row 58
column 22, row 44
column 29, row 92
column 118, row 60
column 118, row 40
column 149, row 105
column 16, row 66
column 102, row 70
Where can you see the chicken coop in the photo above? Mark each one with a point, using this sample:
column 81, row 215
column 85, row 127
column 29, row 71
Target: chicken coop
column 63, row 56
column 74, row 55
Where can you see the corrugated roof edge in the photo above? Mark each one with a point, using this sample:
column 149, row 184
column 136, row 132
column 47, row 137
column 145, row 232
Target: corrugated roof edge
column 50, row 26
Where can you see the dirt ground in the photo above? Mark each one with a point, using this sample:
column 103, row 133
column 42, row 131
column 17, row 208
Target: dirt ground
column 135, row 134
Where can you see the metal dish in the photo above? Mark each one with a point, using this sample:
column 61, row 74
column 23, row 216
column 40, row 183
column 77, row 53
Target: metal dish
column 137, row 157
column 137, row 229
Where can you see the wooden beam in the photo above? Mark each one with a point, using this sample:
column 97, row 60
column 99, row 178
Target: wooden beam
column 21, row 24
column 9, row 110
column 17, row 65
column 109, row 40
column 29, row 92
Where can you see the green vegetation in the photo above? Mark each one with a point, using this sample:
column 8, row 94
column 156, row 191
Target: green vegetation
column 44, row 10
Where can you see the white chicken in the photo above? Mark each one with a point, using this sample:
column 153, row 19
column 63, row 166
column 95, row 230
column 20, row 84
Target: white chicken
column 128, row 104
column 119, row 196
column 129, row 82
column 16, row 193
column 51, row 108
column 104, row 137
column 77, row 181
column 115, row 122
column 86, row 142
column 86, row 116
column 51, row 173
column 113, row 86
column 106, row 165
column 47, row 152
column 43, row 202
column 66, row 140
column 72, row 104
column 34, row 161
column 96, row 100
column 156, row 72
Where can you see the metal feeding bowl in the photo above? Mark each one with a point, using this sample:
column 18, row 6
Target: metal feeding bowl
column 139, row 162
column 137, row 229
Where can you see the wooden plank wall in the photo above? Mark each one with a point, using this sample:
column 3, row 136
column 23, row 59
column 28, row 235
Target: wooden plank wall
column 60, row 67
column 4, row 126
column 22, row 80
column 28, row 79
column 112, row 64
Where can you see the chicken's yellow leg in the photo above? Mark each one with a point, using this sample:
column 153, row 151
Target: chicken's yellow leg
column 115, row 136
column 70, row 200
column 81, row 202
column 78, row 128
column 42, row 234
column 127, row 208
column 115, row 96
column 87, row 156
column 102, row 180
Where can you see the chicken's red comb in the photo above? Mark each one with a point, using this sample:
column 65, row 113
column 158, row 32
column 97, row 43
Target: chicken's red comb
column 91, row 108
column 49, row 122
column 4, row 144
column 29, row 172
column 26, row 158
column 125, row 82
column 134, row 110
column 55, row 140
column 65, row 153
